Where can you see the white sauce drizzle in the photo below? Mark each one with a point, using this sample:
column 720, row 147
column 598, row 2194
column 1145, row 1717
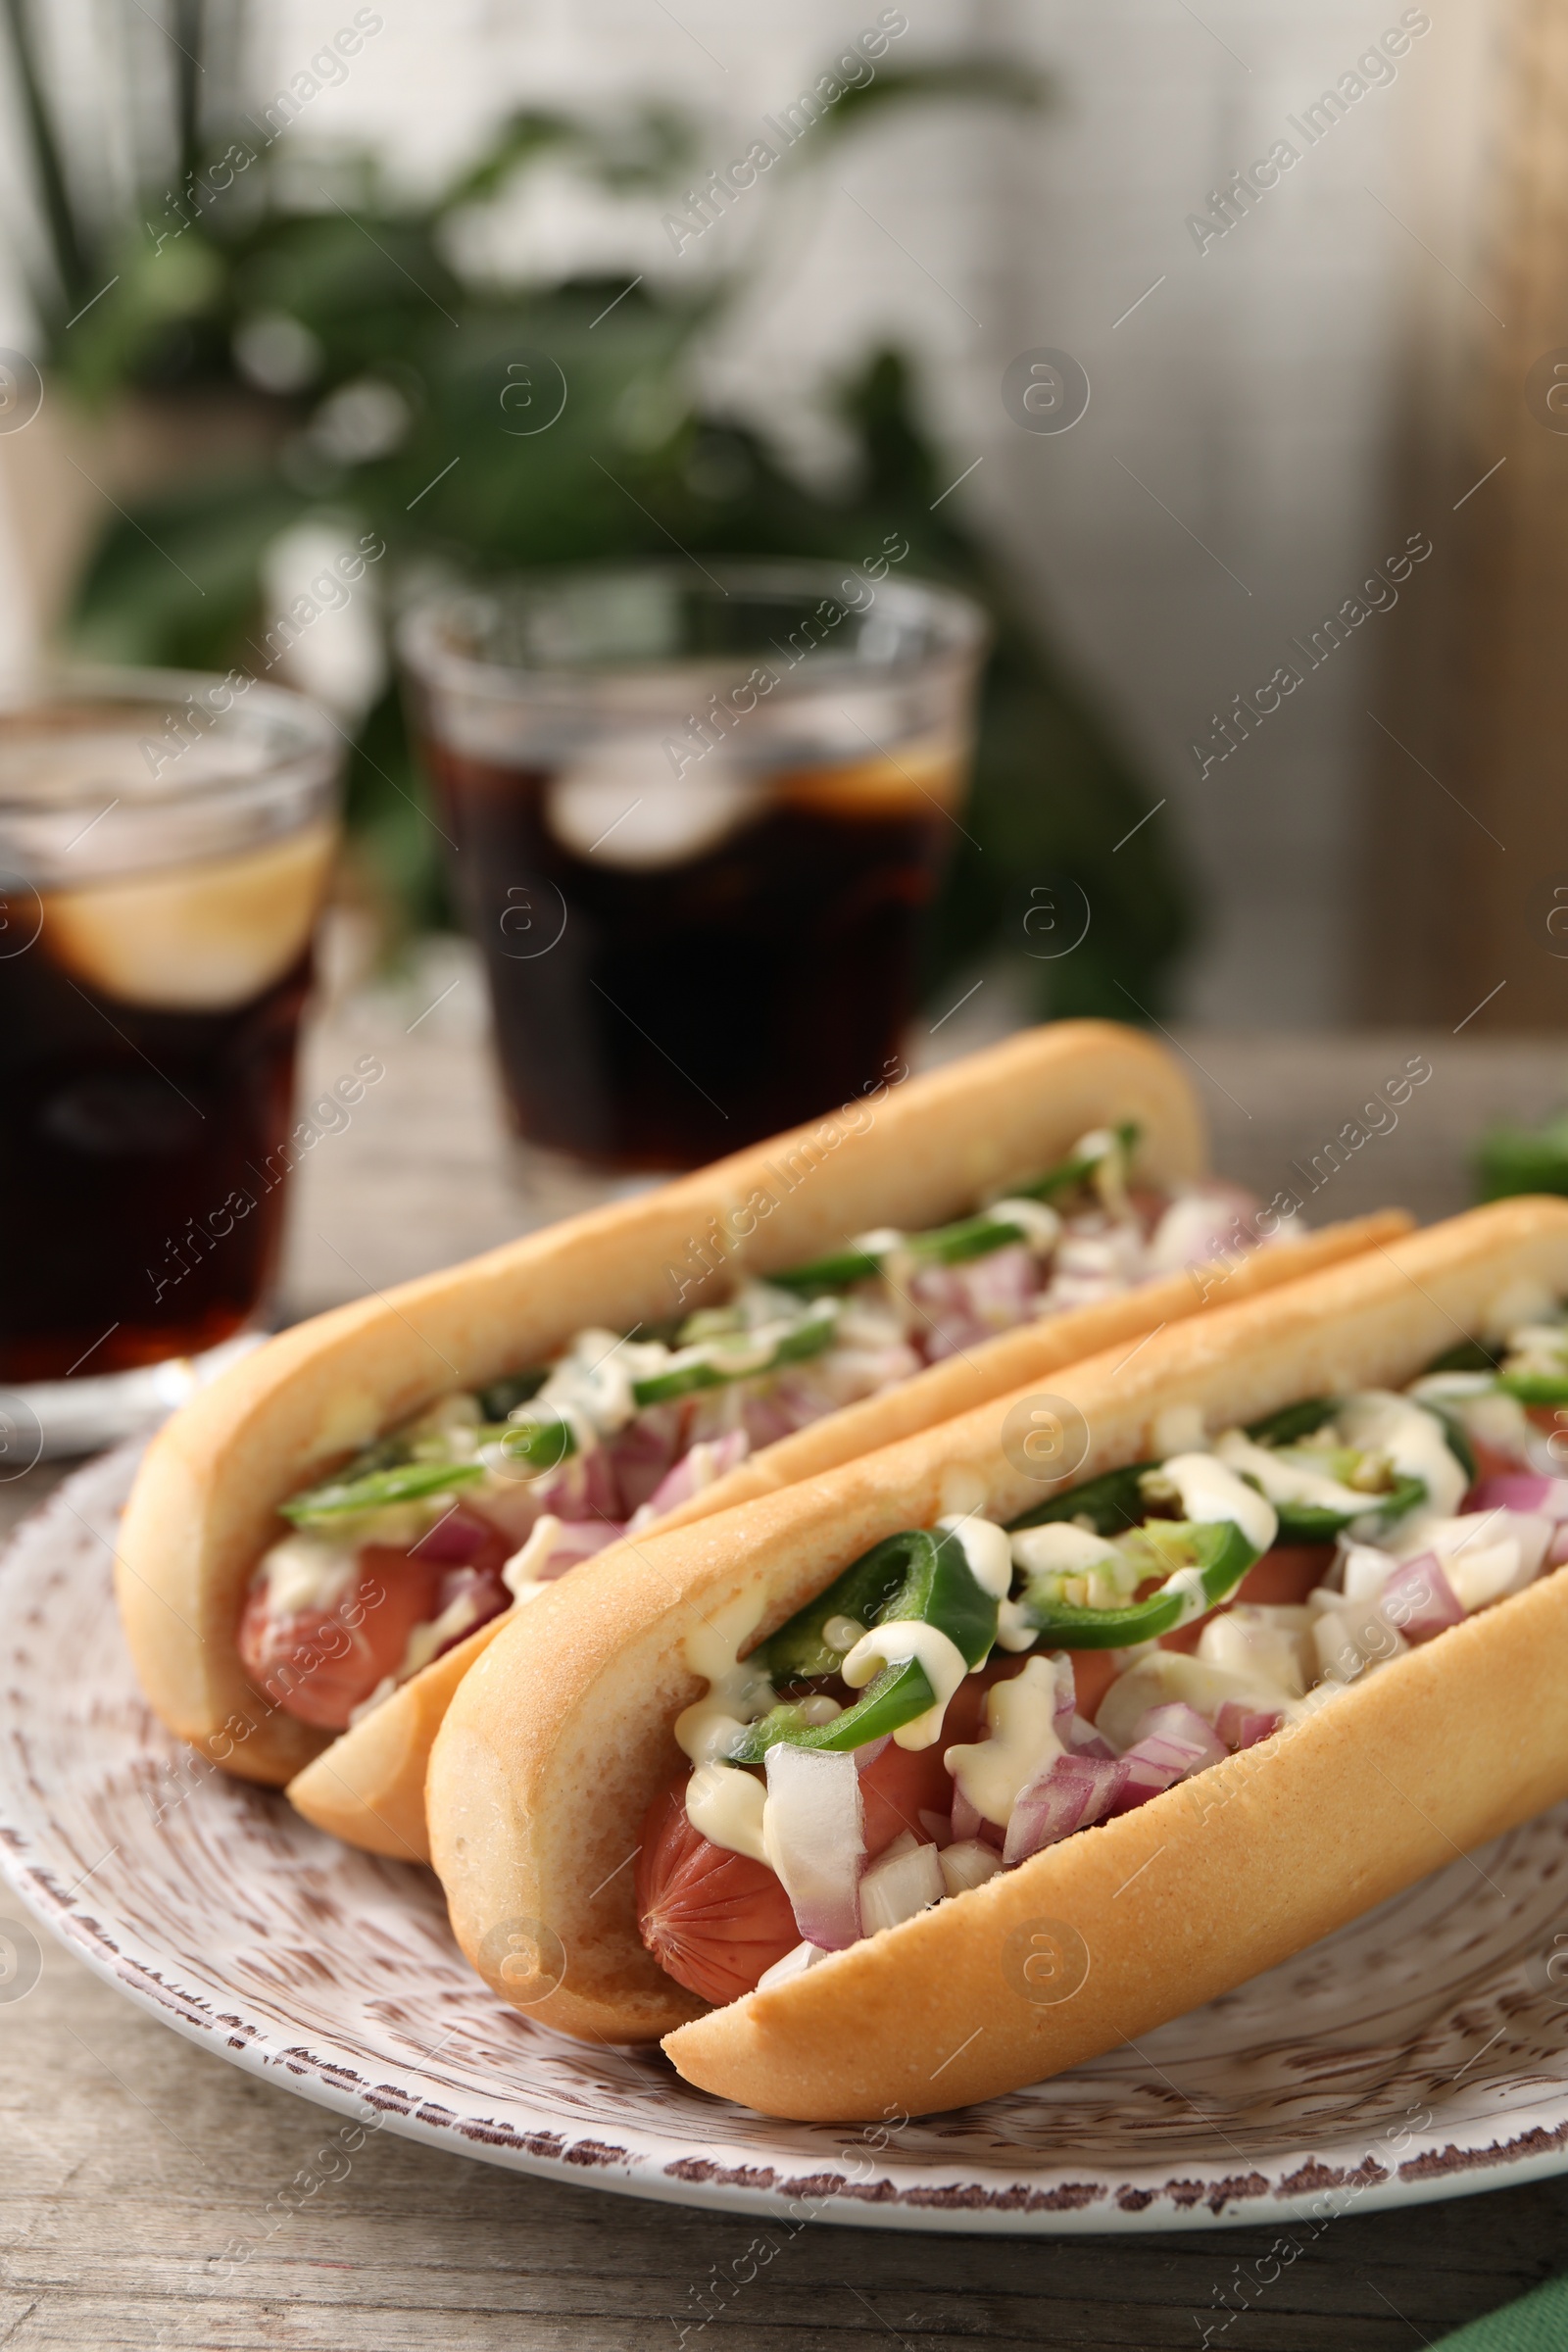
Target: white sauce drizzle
column 1288, row 1482
column 987, row 1549
column 1186, row 1585
column 1379, row 1422
column 1013, row 1629
column 727, row 1805
column 1208, row 1492
column 1024, row 1742
column 1060, row 1548
column 307, row 1572
column 523, row 1566
column 906, row 1639
column 737, row 1692
column 1040, row 1226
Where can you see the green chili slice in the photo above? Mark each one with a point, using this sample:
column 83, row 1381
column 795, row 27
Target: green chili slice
column 1535, row 1388
column 502, row 1397
column 1293, row 1422
column 950, row 1244
column 1314, row 1523
column 1069, row 1175
column 918, row 1574
column 1468, row 1356
column 704, row 1367
column 378, row 1490
column 1112, row 1504
column 1217, row 1547
column 1317, row 1523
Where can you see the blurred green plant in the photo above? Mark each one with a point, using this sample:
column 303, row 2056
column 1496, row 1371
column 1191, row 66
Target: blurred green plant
column 343, row 313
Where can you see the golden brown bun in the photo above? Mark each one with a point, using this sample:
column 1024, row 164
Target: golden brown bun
column 560, row 1736
column 205, row 1505
column 369, row 1787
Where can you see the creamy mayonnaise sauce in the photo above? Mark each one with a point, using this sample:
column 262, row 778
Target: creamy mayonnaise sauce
column 1208, row 1492
column 727, row 1805
column 307, row 1572
column 1024, row 1742
column 1379, row 1422
column 987, row 1549
column 1288, row 1482
column 908, row 1638
column 737, row 1692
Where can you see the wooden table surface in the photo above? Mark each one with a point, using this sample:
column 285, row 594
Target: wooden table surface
column 129, row 2159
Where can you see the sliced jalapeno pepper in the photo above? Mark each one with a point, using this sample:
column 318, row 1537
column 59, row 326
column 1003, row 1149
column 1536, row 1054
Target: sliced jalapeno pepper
column 502, row 1397
column 1293, row 1422
column 1111, row 1503
column 950, row 1245
column 1221, row 1556
column 1069, row 1175
column 1468, row 1356
column 1314, row 1523
column 1317, row 1523
column 378, row 1490
column 1535, row 1388
column 704, row 1367
column 918, row 1574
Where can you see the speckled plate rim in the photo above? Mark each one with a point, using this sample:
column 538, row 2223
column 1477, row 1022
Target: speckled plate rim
column 1050, row 2202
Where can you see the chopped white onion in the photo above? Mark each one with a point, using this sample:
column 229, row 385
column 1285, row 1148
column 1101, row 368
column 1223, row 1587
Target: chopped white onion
column 898, row 1884
column 969, row 1864
column 815, row 1831
column 1352, row 1637
column 793, row 1963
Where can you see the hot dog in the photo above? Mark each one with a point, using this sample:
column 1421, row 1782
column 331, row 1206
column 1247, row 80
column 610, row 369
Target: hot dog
column 928, row 1779
column 319, row 1546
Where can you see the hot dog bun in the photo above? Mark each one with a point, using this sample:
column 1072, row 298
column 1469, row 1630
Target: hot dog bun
column 368, row 1785
column 204, row 1506
column 562, row 1734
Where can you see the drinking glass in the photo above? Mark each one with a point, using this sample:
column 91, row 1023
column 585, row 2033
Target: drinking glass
column 165, row 843
column 695, row 813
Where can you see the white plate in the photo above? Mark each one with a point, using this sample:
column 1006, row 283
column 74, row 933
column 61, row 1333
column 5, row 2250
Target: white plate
column 1417, row 2054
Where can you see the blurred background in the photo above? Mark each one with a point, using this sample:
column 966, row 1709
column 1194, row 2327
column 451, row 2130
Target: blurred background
column 1276, row 695
column 269, row 295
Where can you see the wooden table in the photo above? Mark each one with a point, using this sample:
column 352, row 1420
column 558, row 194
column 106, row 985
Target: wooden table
column 130, row 2158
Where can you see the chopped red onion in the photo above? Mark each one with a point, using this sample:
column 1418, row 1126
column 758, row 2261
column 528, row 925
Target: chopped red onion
column 866, row 1756
column 1082, row 1739
column 967, row 1819
column 1000, row 1289
column 1170, row 1745
column 457, row 1540
column 816, row 1835
column 1418, row 1600
column 701, row 1465
column 578, row 1540
column 1073, row 1792
column 1241, row 1725
column 1509, row 1490
column 1067, row 1694
column 1183, row 1728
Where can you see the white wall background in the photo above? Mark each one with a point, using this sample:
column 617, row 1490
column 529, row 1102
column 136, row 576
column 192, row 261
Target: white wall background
column 1229, row 482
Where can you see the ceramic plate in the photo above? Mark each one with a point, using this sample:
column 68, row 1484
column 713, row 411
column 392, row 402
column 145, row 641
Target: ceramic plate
column 1417, row 2054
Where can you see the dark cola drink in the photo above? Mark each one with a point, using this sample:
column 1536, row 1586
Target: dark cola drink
column 697, row 881
column 149, row 1007
column 692, row 1009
